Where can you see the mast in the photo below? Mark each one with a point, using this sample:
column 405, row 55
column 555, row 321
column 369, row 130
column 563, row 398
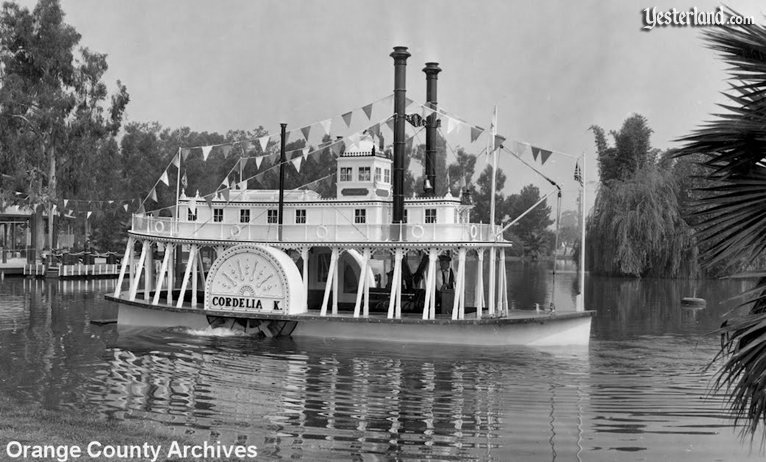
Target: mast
column 491, row 147
column 432, row 72
column 581, row 299
column 400, row 55
column 281, row 176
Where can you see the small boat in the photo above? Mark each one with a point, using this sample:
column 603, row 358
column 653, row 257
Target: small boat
column 291, row 262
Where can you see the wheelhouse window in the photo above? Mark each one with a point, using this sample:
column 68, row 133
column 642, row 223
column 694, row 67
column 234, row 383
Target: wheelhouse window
column 217, row 215
column 430, row 215
column 364, row 173
column 360, row 216
column 378, row 174
column 345, row 173
column 191, row 216
column 272, row 216
column 300, row 216
column 244, row 216
column 387, row 176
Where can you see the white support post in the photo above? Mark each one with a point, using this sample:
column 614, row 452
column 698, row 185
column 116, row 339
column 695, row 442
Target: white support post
column 328, row 285
column 366, row 305
column 171, row 248
column 398, row 314
column 128, row 250
column 199, row 272
column 458, row 304
column 161, row 275
column 492, row 280
column 187, row 273
column 137, row 278
column 478, row 299
column 362, row 282
column 395, row 283
column 148, row 272
column 504, row 276
column 500, row 272
column 336, row 274
column 428, row 305
column 305, row 258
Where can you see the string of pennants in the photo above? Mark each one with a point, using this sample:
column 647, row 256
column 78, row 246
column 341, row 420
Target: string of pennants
column 72, row 207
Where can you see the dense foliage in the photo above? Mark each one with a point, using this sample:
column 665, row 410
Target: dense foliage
column 731, row 214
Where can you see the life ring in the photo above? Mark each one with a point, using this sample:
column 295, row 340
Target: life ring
column 321, row 232
column 159, row 227
column 474, row 231
column 417, row 231
column 235, row 230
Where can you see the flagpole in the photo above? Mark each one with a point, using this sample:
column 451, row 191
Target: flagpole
column 492, row 255
column 178, row 182
column 581, row 298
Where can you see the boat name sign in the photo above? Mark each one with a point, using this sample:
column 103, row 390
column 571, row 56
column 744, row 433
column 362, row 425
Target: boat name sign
column 254, row 278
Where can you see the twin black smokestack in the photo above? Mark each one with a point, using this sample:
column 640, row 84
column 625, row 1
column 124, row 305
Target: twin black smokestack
column 400, row 55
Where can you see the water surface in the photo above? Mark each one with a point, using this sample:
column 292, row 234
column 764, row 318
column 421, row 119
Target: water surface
column 638, row 392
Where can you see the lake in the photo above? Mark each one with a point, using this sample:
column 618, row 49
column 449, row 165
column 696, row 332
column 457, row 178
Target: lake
column 638, row 392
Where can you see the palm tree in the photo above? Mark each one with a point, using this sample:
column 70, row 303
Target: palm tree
column 732, row 211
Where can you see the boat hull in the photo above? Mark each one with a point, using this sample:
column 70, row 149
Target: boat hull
column 520, row 328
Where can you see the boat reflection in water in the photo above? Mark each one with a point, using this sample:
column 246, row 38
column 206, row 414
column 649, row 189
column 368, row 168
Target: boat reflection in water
column 317, row 399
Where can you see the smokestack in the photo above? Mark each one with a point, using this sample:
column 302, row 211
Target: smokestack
column 432, row 72
column 400, row 55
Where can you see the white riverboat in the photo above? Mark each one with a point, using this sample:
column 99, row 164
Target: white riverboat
column 367, row 263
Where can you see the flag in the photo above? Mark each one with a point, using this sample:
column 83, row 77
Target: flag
column 578, row 174
column 184, row 182
column 347, row 118
column 206, row 152
column 164, row 178
column 368, row 111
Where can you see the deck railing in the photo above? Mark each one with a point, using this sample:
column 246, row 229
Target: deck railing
column 361, row 232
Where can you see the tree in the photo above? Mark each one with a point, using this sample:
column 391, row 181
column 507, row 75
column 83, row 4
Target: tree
column 732, row 218
column 631, row 151
column 569, row 229
column 52, row 102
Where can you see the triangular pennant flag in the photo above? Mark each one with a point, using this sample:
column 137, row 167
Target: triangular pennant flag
column 87, row 216
column 347, row 118
column 519, row 148
column 110, row 202
column 368, row 111
column 258, row 161
column 185, row 153
column 153, row 195
column 184, row 181
column 177, row 158
column 499, row 140
column 209, row 200
column 326, row 126
column 305, row 152
column 53, row 209
column 297, row 163
column 390, row 124
column 66, row 201
column 306, row 130
column 535, row 152
column 206, row 152
column 164, row 178
column 544, row 155
column 141, row 210
column 226, row 150
column 125, row 206
column 407, row 102
column 476, row 133
column 225, row 194
column 451, row 124
column 226, row 182
column 335, row 148
column 264, row 141
column 375, row 130
column 193, row 206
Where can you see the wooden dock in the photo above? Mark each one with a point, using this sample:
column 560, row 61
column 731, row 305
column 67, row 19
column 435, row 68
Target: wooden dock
column 79, row 270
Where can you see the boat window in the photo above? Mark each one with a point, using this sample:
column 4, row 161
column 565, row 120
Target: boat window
column 378, row 174
column 364, row 173
column 300, row 216
column 345, row 174
column 430, row 215
column 360, row 216
column 244, row 216
column 191, row 216
column 387, row 176
column 404, row 219
column 272, row 216
column 217, row 215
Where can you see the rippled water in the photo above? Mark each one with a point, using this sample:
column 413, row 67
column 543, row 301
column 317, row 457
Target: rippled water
column 638, row 392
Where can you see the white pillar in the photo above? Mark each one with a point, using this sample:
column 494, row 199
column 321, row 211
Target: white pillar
column 171, row 248
column 161, row 274
column 335, row 282
column 429, row 306
column 305, row 258
column 491, row 289
column 503, row 274
column 328, row 285
column 478, row 300
column 145, row 248
column 362, row 282
column 189, row 265
column 128, row 251
column 149, row 270
column 395, row 283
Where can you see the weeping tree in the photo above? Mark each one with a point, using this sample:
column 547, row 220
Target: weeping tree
column 732, row 213
column 637, row 227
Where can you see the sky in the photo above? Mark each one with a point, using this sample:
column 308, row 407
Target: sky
column 552, row 68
